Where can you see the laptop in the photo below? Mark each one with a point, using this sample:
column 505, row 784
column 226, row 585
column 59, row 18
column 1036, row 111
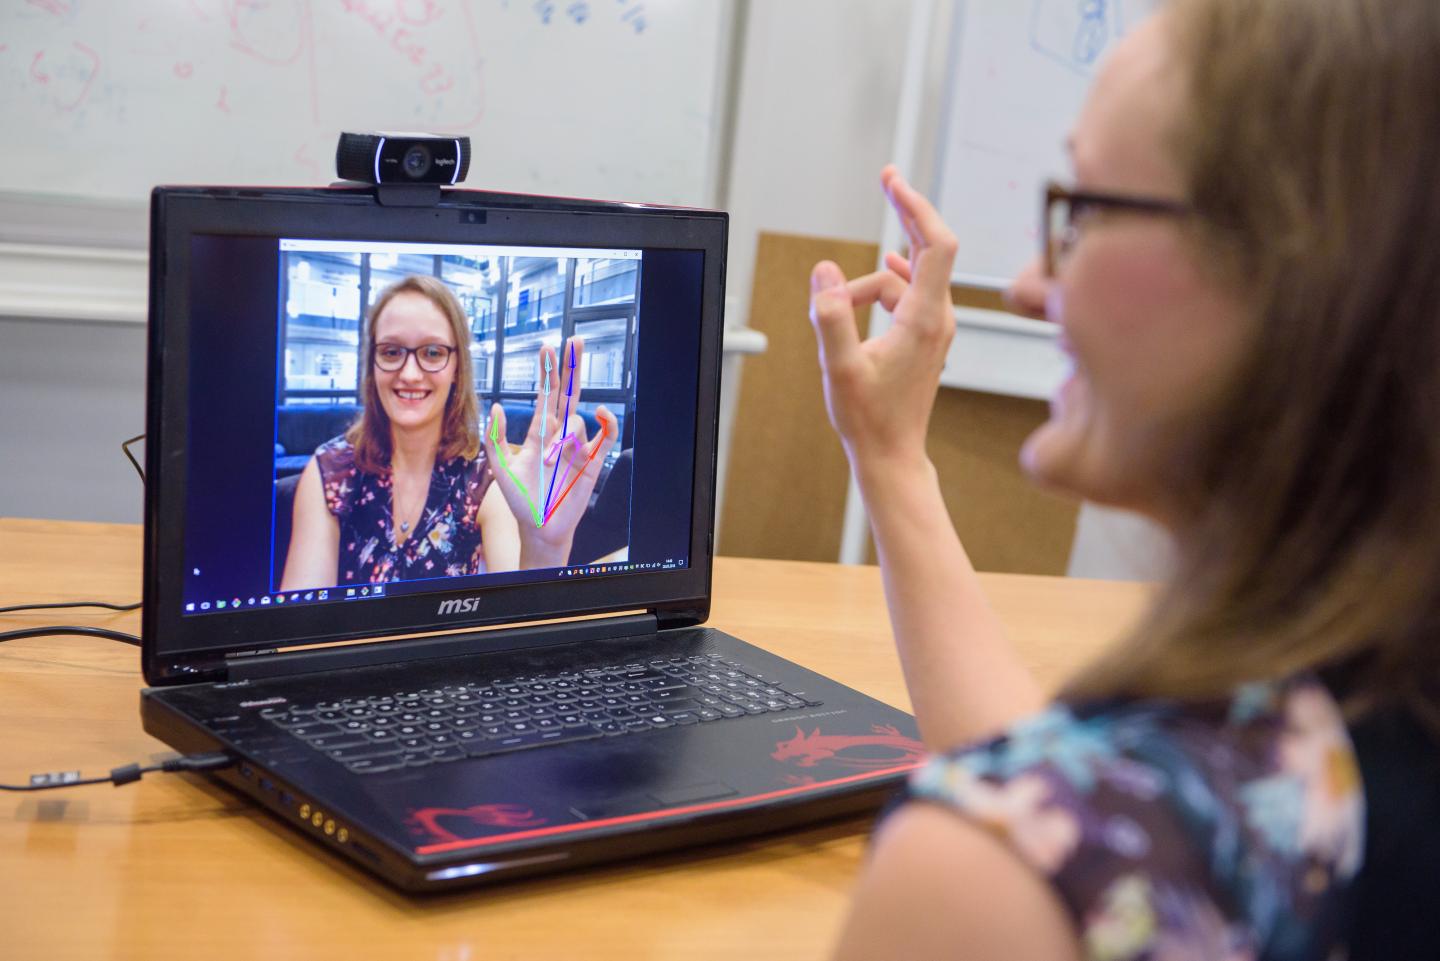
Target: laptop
column 467, row 722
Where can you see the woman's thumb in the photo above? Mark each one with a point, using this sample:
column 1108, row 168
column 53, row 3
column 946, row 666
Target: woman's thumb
column 831, row 311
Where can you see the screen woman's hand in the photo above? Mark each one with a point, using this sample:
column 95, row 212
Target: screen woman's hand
column 547, row 482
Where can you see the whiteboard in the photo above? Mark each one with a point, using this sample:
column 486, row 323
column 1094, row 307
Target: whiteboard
column 1017, row 77
column 614, row 99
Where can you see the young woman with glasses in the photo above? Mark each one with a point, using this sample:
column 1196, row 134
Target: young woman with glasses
column 407, row 491
column 1246, row 277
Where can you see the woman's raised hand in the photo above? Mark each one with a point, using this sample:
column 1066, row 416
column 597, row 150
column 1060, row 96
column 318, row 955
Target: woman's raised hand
column 547, row 482
column 879, row 392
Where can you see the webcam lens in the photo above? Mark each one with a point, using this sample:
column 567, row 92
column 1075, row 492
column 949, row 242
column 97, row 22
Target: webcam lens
column 416, row 161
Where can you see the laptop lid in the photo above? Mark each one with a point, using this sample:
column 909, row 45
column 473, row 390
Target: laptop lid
column 257, row 351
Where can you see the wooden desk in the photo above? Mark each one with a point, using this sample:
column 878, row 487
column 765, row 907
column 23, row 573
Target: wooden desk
column 175, row 866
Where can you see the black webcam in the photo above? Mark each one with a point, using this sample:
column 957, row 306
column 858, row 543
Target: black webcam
column 402, row 158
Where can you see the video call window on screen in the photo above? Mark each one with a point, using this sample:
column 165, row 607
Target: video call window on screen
column 515, row 299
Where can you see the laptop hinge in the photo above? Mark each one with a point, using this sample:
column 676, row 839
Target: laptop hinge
column 674, row 618
column 444, row 645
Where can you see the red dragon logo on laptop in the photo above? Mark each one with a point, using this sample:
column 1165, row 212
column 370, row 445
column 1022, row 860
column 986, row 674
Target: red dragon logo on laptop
column 851, row 750
column 481, row 815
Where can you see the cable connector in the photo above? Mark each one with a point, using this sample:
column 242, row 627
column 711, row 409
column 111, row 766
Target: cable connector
column 211, row 761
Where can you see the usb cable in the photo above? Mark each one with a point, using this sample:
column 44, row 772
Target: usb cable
column 213, row 761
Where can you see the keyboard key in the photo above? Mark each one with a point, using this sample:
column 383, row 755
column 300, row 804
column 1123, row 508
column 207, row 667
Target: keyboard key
column 510, row 742
column 363, row 751
column 307, row 731
column 566, row 737
column 677, row 693
column 330, row 742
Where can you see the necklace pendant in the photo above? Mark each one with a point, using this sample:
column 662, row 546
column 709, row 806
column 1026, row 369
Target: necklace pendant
column 405, row 526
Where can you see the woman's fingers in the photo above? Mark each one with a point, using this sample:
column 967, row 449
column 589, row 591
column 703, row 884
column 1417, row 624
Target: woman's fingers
column 899, row 265
column 933, row 244
column 609, row 432
column 544, row 381
column 883, row 286
column 496, row 434
column 567, row 377
column 888, row 178
column 832, row 312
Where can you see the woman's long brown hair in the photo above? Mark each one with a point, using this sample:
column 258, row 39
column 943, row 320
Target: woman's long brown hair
column 460, row 430
column 1312, row 537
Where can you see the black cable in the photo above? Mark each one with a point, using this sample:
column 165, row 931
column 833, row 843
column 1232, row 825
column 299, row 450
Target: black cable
column 46, row 607
column 214, row 761
column 81, row 631
column 125, row 446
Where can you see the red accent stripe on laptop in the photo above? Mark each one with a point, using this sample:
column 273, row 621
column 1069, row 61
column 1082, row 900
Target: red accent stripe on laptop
column 653, row 815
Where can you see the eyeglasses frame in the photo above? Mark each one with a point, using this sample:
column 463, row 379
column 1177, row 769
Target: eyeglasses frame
column 1131, row 203
column 410, row 352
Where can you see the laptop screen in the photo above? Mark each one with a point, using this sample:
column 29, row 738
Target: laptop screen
column 378, row 419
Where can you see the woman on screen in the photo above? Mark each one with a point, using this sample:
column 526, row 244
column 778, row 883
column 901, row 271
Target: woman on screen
column 406, row 492
column 1246, row 273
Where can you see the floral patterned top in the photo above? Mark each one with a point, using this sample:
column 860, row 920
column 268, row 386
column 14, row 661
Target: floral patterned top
column 1230, row 831
column 445, row 541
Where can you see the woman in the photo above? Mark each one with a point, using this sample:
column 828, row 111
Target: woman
column 403, row 493
column 1246, row 274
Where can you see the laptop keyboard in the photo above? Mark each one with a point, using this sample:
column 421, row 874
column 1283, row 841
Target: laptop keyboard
column 436, row 725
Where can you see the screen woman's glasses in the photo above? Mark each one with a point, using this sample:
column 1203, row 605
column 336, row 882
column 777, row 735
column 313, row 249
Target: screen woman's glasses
column 432, row 358
column 1065, row 212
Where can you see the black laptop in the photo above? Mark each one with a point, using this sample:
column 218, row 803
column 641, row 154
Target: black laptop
column 450, row 727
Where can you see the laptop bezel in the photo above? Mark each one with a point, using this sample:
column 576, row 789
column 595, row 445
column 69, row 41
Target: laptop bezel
column 197, row 648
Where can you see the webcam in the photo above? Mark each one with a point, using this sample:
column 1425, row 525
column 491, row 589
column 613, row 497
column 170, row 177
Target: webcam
column 402, row 158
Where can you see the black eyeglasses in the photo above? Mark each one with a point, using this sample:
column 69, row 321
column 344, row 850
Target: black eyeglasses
column 1065, row 209
column 432, row 358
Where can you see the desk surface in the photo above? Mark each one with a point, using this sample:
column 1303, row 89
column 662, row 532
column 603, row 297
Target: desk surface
column 177, row 866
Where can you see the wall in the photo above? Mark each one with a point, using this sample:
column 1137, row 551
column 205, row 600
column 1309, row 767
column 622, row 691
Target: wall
column 70, row 392
column 815, row 118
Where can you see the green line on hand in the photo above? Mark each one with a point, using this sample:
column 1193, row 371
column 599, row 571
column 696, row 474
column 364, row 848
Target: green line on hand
column 500, row 453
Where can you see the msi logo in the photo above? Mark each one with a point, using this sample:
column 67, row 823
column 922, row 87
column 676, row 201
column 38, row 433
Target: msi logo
column 460, row 605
